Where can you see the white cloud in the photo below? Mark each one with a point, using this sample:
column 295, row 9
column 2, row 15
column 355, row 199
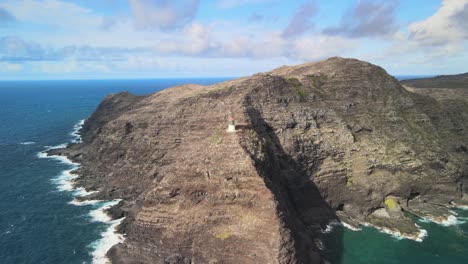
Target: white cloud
column 163, row 14
column 226, row 4
column 194, row 39
column 316, row 48
column 301, row 20
column 446, row 27
column 367, row 18
column 10, row 67
column 53, row 12
column 48, row 67
column 218, row 39
column 62, row 37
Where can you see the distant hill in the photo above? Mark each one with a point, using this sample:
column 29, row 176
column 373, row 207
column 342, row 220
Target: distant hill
column 441, row 81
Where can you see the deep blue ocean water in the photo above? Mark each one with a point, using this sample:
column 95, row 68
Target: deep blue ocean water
column 39, row 225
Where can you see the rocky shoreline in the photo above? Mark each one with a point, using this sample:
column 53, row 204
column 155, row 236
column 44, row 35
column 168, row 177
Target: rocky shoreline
column 334, row 140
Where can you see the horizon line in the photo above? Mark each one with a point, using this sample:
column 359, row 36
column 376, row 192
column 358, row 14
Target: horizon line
column 183, row 77
column 121, row 79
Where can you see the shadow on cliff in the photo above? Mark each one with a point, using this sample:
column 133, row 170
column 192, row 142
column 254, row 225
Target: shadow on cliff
column 300, row 206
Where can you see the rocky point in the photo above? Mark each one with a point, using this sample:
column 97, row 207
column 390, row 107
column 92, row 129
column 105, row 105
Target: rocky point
column 335, row 140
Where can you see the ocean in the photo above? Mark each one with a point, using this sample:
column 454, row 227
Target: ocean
column 40, row 222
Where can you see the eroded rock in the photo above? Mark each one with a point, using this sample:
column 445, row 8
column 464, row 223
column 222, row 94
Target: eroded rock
column 319, row 138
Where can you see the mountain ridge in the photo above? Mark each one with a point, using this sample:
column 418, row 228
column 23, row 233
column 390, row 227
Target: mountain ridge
column 333, row 140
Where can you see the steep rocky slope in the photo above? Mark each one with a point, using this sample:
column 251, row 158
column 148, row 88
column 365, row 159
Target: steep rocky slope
column 316, row 142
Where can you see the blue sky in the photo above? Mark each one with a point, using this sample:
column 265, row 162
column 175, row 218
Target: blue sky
column 106, row 39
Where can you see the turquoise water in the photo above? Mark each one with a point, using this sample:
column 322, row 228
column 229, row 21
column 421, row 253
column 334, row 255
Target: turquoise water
column 442, row 245
column 39, row 225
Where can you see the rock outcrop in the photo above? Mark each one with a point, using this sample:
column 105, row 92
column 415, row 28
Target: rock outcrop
column 337, row 139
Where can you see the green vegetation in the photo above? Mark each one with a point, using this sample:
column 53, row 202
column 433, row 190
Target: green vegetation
column 220, row 90
column 298, row 87
column 317, row 81
column 217, row 138
column 391, row 204
column 350, row 181
column 223, row 235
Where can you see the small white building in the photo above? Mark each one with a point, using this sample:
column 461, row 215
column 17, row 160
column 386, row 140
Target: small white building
column 231, row 124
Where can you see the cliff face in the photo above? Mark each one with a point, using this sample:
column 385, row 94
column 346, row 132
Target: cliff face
column 335, row 139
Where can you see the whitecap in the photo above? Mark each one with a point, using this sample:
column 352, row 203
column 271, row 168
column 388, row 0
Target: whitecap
column 100, row 215
column 82, row 192
column 76, row 129
column 64, row 145
column 109, row 238
column 398, row 235
column 424, row 220
column 350, row 227
column 42, row 155
column 422, row 234
column 452, row 220
column 64, row 181
column 333, row 223
column 462, row 207
column 62, row 159
column 28, row 143
column 330, row 226
column 84, row 202
column 453, row 212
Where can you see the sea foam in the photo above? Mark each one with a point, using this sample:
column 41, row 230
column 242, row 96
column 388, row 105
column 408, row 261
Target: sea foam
column 109, row 238
column 84, row 202
column 350, row 227
column 451, row 220
column 398, row 235
column 27, row 143
column 82, row 192
column 330, row 226
column 334, row 223
column 76, row 131
column 462, row 207
column 100, row 215
column 65, row 182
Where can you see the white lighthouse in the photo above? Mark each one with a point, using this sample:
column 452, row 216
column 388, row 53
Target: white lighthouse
column 231, row 124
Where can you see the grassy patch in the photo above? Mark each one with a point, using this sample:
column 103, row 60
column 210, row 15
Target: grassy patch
column 219, row 91
column 391, row 204
column 217, row 138
column 249, row 218
column 317, row 81
column 297, row 86
column 223, row 235
column 350, row 182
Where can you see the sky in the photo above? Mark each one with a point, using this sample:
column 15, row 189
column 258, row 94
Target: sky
column 109, row 39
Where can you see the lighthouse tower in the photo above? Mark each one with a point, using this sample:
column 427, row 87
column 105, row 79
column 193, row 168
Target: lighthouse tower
column 231, row 124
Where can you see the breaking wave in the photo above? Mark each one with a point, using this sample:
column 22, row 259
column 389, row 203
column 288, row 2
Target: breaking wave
column 65, row 182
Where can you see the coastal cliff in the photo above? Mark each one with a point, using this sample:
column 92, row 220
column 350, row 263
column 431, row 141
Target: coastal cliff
column 334, row 140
